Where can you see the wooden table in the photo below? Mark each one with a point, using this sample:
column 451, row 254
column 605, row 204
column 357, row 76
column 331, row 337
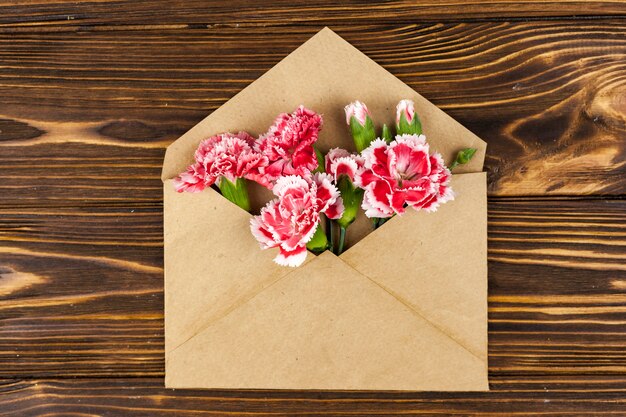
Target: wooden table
column 92, row 92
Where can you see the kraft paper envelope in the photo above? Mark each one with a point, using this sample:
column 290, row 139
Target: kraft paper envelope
column 404, row 308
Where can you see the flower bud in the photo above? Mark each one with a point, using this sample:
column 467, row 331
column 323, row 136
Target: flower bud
column 463, row 157
column 386, row 134
column 357, row 110
column 361, row 124
column 406, row 108
column 407, row 122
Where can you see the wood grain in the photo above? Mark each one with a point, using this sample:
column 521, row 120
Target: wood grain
column 91, row 92
column 83, row 289
column 146, row 397
column 61, row 14
column 549, row 98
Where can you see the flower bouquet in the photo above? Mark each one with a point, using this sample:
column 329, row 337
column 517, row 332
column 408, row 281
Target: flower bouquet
column 373, row 273
column 387, row 174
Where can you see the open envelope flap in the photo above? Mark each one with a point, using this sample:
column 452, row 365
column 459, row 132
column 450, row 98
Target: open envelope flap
column 325, row 74
column 437, row 262
column 324, row 326
column 212, row 261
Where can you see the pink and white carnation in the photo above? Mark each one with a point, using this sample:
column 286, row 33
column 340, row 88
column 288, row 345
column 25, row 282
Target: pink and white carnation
column 402, row 174
column 290, row 221
column 340, row 162
column 288, row 144
column 227, row 155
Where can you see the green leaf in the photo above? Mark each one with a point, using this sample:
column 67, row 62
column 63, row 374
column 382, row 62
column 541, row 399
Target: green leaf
column 386, row 134
column 236, row 193
column 319, row 241
column 406, row 128
column 320, row 160
column 362, row 135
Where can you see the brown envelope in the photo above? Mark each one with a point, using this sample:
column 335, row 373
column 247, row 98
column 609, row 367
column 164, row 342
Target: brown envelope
column 404, row 308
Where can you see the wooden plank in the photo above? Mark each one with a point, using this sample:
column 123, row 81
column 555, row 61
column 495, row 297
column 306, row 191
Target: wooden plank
column 549, row 98
column 80, row 175
column 37, row 14
column 82, row 289
column 147, row 397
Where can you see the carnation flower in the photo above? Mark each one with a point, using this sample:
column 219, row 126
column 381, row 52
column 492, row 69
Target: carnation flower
column 341, row 162
column 225, row 155
column 288, row 144
column 225, row 160
column 290, row 221
column 402, row 174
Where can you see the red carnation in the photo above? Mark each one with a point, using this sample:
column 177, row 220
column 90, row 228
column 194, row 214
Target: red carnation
column 402, row 174
column 288, row 144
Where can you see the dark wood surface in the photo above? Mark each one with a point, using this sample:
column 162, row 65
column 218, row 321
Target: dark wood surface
column 55, row 13
column 92, row 92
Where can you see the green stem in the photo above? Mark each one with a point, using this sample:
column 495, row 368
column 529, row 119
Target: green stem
column 342, row 240
column 331, row 244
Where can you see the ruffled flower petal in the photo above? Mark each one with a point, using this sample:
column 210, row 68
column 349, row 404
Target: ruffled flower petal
column 325, row 192
column 340, row 162
column 191, row 180
column 374, row 208
column 335, row 211
column 332, row 156
column 378, row 196
column 345, row 166
column 291, row 182
column 261, row 233
column 292, row 258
